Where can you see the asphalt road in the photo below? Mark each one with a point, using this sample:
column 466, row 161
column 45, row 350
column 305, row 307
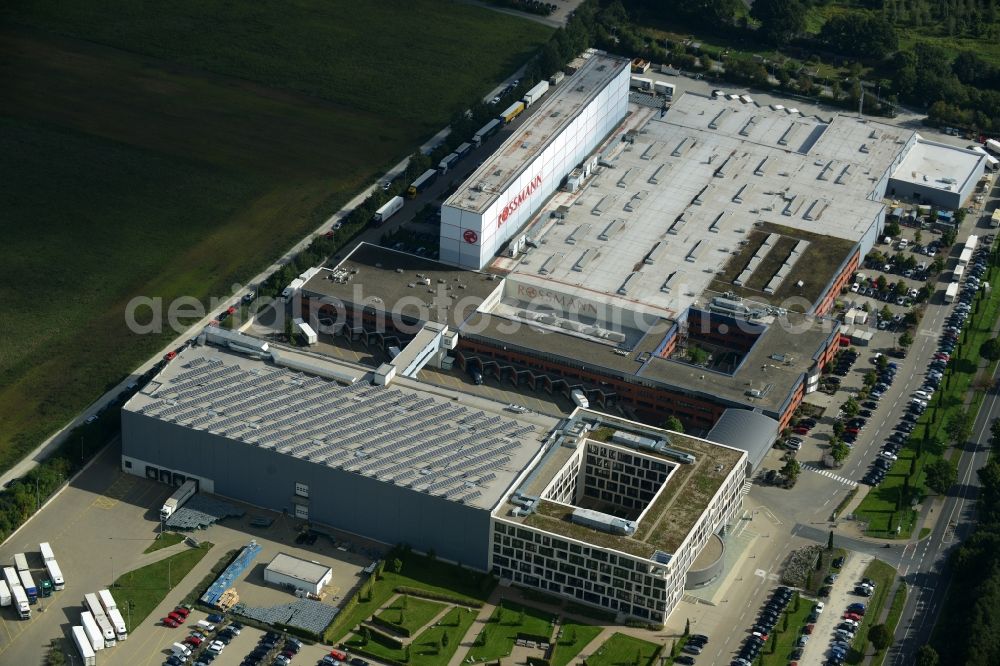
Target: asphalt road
column 923, row 563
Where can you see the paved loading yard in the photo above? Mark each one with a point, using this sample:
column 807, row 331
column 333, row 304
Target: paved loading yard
column 98, row 528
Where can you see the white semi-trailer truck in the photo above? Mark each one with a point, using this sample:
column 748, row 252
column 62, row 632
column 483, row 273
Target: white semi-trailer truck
column 177, row 500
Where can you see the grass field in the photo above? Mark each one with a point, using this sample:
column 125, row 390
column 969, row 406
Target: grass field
column 427, row 649
column 622, row 650
column 178, row 149
column 575, row 637
column 144, row 588
column 166, row 540
column 497, row 638
column 417, row 572
column 411, row 613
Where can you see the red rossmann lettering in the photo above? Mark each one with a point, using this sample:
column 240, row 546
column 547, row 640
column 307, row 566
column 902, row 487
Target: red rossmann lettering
column 520, row 198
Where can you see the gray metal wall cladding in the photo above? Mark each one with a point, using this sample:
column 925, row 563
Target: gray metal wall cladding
column 343, row 500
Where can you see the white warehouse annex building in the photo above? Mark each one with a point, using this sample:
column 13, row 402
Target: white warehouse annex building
column 509, row 188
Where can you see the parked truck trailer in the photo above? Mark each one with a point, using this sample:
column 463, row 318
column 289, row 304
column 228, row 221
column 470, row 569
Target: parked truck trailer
column 422, row 182
column 993, row 146
column 10, row 576
column 512, row 111
column 393, row 206
column 448, row 162
column 94, row 606
column 177, row 500
column 4, row 594
column 20, row 562
column 55, row 575
column 28, row 583
column 663, row 88
column 641, row 83
column 535, row 93
column 92, row 630
column 83, row 646
column 20, row 601
column 306, row 331
column 46, row 551
column 463, row 150
column 486, row 131
column 951, row 293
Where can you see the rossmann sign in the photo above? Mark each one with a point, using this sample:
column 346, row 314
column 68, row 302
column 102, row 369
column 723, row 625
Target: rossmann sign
column 518, row 199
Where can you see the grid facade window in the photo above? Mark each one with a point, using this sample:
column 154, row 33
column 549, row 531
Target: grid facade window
column 301, row 490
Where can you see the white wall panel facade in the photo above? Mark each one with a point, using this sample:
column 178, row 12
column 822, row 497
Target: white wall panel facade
column 470, row 240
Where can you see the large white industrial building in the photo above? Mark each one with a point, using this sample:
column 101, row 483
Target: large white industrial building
column 509, row 187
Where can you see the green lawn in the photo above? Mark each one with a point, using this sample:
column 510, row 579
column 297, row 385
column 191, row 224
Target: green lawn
column 417, row 612
column 146, row 587
column 497, row 638
column 166, row 540
column 426, row 649
column 883, row 575
column 892, row 619
column 622, row 650
column 418, row 572
column 786, row 639
column 178, row 149
column 575, row 637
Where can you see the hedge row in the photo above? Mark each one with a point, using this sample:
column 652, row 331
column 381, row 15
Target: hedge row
column 379, row 658
column 439, row 596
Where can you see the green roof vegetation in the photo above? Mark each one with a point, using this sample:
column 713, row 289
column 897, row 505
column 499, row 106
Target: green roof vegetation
column 673, row 513
column 815, row 268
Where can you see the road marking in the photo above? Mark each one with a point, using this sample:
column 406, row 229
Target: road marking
column 827, row 473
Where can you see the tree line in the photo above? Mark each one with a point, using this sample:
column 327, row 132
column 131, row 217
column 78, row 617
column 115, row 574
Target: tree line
column 955, row 88
column 969, row 629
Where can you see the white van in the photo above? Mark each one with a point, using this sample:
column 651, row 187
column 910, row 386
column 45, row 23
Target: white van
column 181, row 650
column 206, row 625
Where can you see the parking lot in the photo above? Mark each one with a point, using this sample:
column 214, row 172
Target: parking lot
column 98, row 528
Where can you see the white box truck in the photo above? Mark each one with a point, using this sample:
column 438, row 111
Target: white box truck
column 46, row 551
column 393, row 206
column 177, row 500
column 92, row 630
column 306, row 331
column 4, row 594
column 951, row 293
column 87, row 656
column 993, row 146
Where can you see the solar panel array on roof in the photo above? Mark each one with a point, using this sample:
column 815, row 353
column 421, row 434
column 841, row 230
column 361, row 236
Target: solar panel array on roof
column 406, row 438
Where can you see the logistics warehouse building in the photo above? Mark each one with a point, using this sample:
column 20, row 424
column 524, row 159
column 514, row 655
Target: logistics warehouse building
column 510, row 186
column 594, row 508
